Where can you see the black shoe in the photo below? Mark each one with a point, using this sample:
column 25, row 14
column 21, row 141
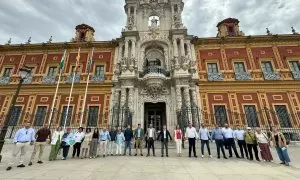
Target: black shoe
column 104, row 156
column 258, row 160
column 21, row 166
column 218, row 157
column 167, row 155
column 8, row 168
column 230, row 156
column 238, row 157
column 282, row 163
column 112, row 154
column 40, row 162
column 162, row 155
column 142, row 155
column 30, row 163
column 225, row 157
column 196, row 156
column 135, row 155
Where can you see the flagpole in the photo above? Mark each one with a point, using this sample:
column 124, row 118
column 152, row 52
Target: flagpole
column 69, row 100
column 86, row 88
column 55, row 94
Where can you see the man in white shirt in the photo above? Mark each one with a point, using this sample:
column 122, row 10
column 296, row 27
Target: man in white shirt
column 229, row 141
column 239, row 135
column 204, row 137
column 78, row 140
column 192, row 135
column 151, row 135
column 22, row 140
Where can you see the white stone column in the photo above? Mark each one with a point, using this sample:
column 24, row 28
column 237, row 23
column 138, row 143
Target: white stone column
column 133, row 54
column 182, row 47
column 178, row 98
column 122, row 110
column 128, row 15
column 186, row 94
column 115, row 109
column 135, row 19
column 189, row 50
column 126, row 48
column 195, row 112
column 175, row 51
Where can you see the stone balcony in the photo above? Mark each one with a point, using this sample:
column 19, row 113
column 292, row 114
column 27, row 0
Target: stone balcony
column 4, row 80
column 271, row 75
column 215, row 76
column 296, row 75
column 49, row 79
column 242, row 76
column 98, row 79
column 154, row 71
column 69, row 79
column 28, row 80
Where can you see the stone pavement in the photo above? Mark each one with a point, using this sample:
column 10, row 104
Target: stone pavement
column 143, row 168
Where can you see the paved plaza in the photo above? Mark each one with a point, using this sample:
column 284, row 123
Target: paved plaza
column 143, row 168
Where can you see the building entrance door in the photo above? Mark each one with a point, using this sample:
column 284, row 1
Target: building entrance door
column 155, row 114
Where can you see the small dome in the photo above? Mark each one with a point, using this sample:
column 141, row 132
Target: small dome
column 84, row 27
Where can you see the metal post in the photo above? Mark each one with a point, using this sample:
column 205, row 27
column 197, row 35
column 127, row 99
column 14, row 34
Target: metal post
column 5, row 125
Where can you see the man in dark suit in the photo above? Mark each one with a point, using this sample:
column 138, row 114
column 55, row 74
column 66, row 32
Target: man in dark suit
column 164, row 137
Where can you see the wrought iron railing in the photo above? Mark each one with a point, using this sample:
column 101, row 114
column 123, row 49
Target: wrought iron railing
column 271, row 75
column 296, row 75
column 215, row 76
column 49, row 79
column 154, row 70
column 4, row 80
column 98, row 79
column 69, row 79
column 28, row 80
column 242, row 76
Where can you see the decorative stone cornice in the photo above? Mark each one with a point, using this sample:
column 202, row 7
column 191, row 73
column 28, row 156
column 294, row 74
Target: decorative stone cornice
column 264, row 39
column 55, row 46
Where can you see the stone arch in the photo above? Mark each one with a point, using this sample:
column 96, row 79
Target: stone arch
column 158, row 47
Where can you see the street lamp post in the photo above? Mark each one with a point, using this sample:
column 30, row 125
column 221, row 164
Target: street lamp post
column 24, row 73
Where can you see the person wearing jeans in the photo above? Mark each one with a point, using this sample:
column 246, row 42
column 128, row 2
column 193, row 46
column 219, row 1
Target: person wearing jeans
column 204, row 137
column 119, row 141
column 104, row 137
column 178, row 139
column 280, row 144
column 128, row 134
column 78, row 140
column 68, row 140
column 94, row 143
column 112, row 142
column 40, row 143
column 217, row 135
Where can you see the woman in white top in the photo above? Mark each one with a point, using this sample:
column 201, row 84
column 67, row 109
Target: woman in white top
column 263, row 143
column 55, row 143
column 178, row 139
column 85, row 145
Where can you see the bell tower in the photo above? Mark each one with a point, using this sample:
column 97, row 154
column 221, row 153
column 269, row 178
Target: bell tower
column 142, row 14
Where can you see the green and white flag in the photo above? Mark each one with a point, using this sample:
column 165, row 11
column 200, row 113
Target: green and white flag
column 62, row 62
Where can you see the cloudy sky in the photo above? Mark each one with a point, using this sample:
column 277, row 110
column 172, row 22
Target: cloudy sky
column 20, row 19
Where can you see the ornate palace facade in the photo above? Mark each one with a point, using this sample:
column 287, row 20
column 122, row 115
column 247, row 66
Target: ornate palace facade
column 157, row 73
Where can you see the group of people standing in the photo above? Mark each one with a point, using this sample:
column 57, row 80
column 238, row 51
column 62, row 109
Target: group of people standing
column 102, row 142
column 249, row 142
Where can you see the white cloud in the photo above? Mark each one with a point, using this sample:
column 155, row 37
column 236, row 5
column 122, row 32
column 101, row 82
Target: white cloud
column 20, row 19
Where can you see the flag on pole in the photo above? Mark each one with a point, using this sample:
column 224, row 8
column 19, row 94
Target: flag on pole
column 77, row 61
column 62, row 62
column 91, row 62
